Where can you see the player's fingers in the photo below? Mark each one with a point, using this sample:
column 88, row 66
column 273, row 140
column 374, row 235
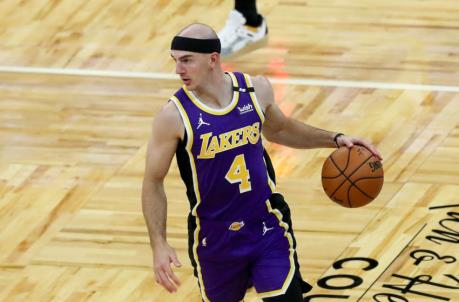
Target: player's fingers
column 171, row 276
column 165, row 282
column 370, row 147
column 347, row 142
column 373, row 150
column 175, row 279
column 377, row 153
column 157, row 278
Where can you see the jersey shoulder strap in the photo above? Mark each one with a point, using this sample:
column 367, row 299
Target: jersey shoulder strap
column 244, row 83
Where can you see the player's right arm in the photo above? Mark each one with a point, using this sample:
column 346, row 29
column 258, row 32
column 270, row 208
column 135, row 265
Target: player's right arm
column 167, row 130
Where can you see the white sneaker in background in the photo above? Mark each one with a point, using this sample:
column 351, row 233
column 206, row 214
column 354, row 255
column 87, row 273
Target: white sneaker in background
column 238, row 38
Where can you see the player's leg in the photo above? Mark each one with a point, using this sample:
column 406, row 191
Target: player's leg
column 223, row 281
column 244, row 29
column 278, row 203
column 275, row 272
column 222, row 276
column 248, row 8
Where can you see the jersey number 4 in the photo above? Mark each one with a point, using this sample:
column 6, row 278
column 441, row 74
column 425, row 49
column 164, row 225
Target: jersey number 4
column 238, row 173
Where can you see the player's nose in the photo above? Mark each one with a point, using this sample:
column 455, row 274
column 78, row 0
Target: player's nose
column 179, row 68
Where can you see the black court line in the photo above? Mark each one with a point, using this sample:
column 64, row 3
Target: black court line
column 445, row 206
column 392, row 262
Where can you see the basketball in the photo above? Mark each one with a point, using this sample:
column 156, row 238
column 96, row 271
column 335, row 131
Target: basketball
column 352, row 177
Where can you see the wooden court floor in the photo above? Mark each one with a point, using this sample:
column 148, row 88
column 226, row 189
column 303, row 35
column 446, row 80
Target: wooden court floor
column 72, row 147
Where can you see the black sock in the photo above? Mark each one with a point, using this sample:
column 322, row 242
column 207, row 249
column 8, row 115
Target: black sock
column 248, row 8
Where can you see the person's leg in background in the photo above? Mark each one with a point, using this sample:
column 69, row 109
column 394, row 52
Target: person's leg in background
column 245, row 29
column 248, row 8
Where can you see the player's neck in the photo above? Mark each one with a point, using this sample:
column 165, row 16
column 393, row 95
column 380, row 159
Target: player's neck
column 217, row 91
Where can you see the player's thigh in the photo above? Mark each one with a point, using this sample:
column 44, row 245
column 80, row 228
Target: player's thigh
column 224, row 281
column 274, row 267
column 223, row 262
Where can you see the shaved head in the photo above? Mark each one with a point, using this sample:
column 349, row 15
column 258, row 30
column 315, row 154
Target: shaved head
column 198, row 31
column 196, row 52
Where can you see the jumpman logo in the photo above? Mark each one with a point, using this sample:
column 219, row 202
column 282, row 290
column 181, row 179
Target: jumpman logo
column 201, row 122
column 266, row 229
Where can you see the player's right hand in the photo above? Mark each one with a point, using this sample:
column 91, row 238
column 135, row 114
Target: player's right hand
column 163, row 256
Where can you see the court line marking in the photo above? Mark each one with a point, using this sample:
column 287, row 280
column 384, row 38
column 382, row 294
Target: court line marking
column 274, row 80
column 444, row 206
column 390, row 264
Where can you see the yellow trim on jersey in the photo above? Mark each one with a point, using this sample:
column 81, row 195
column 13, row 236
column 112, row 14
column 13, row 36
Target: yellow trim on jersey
column 271, row 182
column 215, row 111
column 253, row 96
column 234, row 79
column 290, row 274
column 189, row 145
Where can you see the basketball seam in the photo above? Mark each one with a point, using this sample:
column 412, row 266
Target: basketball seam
column 342, row 172
column 336, row 165
column 369, row 177
column 353, row 184
column 348, row 177
column 349, row 192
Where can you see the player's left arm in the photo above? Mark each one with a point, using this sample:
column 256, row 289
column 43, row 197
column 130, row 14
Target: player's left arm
column 287, row 131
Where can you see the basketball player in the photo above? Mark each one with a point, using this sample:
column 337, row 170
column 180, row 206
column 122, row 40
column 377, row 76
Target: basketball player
column 239, row 229
column 244, row 30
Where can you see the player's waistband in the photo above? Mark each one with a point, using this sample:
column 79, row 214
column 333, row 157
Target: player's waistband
column 238, row 224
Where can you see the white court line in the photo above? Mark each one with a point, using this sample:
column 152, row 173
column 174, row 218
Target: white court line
column 171, row 76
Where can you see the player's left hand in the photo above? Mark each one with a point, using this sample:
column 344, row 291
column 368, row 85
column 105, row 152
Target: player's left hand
column 350, row 141
column 163, row 257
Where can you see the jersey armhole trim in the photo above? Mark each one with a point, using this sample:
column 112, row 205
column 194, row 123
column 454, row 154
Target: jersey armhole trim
column 254, row 99
column 186, row 122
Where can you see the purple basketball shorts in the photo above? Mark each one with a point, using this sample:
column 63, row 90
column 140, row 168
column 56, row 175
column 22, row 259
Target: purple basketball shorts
column 233, row 256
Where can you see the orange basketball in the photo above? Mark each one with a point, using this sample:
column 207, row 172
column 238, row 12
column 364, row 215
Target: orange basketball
column 352, row 177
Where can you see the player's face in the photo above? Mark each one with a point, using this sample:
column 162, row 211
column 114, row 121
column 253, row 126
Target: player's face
column 191, row 67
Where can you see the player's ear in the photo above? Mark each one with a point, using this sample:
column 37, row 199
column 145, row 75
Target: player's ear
column 214, row 59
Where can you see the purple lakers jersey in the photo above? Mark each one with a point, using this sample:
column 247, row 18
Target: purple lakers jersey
column 221, row 158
